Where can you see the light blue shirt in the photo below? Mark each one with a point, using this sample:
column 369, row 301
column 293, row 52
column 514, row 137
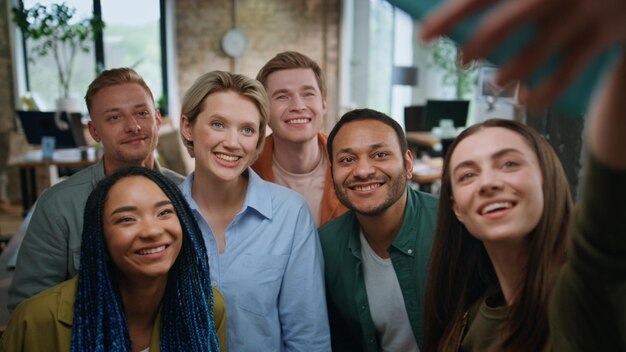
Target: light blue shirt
column 271, row 273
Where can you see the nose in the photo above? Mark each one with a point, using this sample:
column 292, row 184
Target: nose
column 150, row 229
column 297, row 103
column 489, row 183
column 364, row 169
column 231, row 139
column 132, row 125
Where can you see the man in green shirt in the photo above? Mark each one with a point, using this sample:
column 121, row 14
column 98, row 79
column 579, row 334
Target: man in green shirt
column 376, row 255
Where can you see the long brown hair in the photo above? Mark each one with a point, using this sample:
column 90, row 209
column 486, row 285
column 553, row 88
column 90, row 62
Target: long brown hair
column 460, row 270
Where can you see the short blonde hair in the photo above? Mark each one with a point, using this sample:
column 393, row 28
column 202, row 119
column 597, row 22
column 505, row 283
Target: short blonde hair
column 221, row 81
column 114, row 77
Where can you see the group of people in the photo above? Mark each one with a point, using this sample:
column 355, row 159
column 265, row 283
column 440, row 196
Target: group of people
column 301, row 242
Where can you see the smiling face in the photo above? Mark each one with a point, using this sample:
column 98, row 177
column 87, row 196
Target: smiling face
column 225, row 135
column 141, row 229
column 297, row 106
column 370, row 172
column 124, row 119
column 496, row 185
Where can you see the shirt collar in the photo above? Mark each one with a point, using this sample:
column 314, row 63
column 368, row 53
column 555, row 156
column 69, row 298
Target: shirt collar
column 257, row 194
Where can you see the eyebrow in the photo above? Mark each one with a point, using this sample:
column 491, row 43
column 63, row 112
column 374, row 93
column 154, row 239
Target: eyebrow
column 495, row 155
column 349, row 150
column 140, row 105
column 285, row 90
column 132, row 207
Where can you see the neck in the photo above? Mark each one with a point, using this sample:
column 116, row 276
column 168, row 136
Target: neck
column 141, row 299
column 218, row 195
column 381, row 230
column 297, row 158
column 110, row 165
column 509, row 262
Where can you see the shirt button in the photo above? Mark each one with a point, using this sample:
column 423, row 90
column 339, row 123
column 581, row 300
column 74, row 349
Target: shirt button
column 410, row 251
column 363, row 307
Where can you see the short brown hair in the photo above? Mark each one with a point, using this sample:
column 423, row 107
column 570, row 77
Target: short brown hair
column 290, row 60
column 221, row 81
column 113, row 77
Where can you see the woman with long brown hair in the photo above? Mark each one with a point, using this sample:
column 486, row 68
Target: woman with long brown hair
column 497, row 252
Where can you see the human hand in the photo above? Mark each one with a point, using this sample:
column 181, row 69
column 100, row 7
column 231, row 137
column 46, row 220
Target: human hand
column 578, row 30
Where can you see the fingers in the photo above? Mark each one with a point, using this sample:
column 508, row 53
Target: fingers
column 450, row 13
column 501, row 22
column 577, row 57
column 555, row 36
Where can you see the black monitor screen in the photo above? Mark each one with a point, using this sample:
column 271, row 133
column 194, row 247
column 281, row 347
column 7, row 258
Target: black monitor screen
column 37, row 124
column 455, row 110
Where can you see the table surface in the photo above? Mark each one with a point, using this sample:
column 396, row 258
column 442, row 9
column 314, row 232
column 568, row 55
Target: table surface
column 61, row 157
column 424, row 139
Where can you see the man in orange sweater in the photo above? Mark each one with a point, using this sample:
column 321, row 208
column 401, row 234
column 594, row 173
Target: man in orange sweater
column 295, row 153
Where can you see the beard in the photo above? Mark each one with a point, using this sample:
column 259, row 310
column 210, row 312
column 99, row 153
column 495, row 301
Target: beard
column 397, row 187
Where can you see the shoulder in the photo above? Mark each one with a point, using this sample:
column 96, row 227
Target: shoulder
column 173, row 176
column 73, row 191
column 422, row 199
column 339, row 227
column 46, row 307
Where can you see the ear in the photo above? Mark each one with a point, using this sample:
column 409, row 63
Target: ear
column 157, row 115
column 323, row 106
column 408, row 162
column 93, row 132
column 185, row 128
column 456, row 210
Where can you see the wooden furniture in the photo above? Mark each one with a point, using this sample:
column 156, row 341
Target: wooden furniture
column 422, row 139
column 29, row 162
column 427, row 171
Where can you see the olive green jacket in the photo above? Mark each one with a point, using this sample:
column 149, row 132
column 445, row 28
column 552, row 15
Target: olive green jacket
column 44, row 322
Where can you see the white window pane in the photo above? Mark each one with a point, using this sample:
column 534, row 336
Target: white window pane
column 43, row 73
column 132, row 38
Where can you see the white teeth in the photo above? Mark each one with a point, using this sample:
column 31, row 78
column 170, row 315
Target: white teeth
column 151, row 250
column 367, row 188
column 496, row 206
column 227, row 157
column 298, row 121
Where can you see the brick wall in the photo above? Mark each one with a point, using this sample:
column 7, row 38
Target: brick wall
column 6, row 71
column 272, row 26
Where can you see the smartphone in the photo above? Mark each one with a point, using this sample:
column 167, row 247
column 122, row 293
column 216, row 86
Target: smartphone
column 573, row 102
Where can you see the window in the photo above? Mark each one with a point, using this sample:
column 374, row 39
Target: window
column 132, row 37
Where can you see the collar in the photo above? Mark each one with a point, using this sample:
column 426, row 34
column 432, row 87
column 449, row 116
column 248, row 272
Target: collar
column 256, row 194
column 406, row 238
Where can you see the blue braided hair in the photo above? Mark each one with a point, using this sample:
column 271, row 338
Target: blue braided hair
column 187, row 305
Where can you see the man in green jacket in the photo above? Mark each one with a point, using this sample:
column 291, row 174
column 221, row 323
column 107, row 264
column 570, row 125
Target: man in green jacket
column 376, row 255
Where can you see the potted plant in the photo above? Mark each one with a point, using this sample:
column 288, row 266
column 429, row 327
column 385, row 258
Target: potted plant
column 54, row 31
column 446, row 55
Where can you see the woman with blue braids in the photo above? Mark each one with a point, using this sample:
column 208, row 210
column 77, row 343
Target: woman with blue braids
column 143, row 283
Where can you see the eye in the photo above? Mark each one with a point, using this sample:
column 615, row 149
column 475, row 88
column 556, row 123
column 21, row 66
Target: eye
column 125, row 219
column 309, row 94
column 380, row 155
column 281, row 97
column 217, row 124
column 166, row 212
column 346, row 160
column 509, row 164
column 248, row 131
column 144, row 113
column 114, row 117
column 465, row 176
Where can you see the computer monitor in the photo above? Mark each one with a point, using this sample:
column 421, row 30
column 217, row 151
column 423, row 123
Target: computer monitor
column 37, row 124
column 437, row 110
column 414, row 118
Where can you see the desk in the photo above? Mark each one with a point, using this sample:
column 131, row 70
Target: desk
column 426, row 171
column 31, row 160
column 423, row 139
